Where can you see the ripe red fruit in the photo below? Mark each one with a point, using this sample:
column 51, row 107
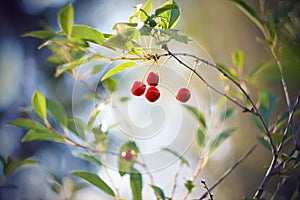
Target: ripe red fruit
column 183, row 95
column 152, row 94
column 128, row 154
column 138, row 88
column 153, row 79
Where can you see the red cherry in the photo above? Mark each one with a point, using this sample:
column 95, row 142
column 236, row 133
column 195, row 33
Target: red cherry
column 183, row 95
column 138, row 88
column 152, row 94
column 153, row 79
column 128, row 154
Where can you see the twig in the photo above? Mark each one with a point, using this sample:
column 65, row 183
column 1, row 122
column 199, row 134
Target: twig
column 207, row 190
column 235, row 165
column 175, row 180
column 279, row 185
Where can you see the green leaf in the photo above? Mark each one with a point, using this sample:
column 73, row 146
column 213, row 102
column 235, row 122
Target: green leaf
column 28, row 124
column 125, row 166
column 175, row 35
column 57, row 111
column 228, row 71
column 13, row 164
column 200, row 137
column 95, row 180
column 136, row 184
column 169, row 14
column 227, row 114
column 264, row 142
column 77, row 126
column 266, row 104
column 66, row 18
column 42, row 34
column 189, row 186
column 182, row 159
column 250, row 12
column 197, row 114
column 89, row 158
column 238, row 59
column 33, row 135
column 220, row 139
column 87, row 33
column 96, row 69
column 39, row 105
column 256, row 71
column 158, row 192
column 118, row 68
column 147, row 8
column 75, row 63
column 110, row 83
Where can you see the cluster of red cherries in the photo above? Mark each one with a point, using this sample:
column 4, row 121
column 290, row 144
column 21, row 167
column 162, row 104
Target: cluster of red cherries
column 138, row 88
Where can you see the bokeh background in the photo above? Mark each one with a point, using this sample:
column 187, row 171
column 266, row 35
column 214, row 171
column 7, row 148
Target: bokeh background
column 216, row 25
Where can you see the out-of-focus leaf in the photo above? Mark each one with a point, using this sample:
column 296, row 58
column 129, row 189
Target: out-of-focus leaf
column 42, row 34
column 158, row 192
column 189, row 186
column 136, row 184
column 182, row 159
column 220, row 139
column 264, row 142
column 13, row 164
column 266, row 104
column 200, row 137
column 66, row 18
column 77, row 126
column 28, row 124
column 87, row 33
column 197, row 114
column 143, row 17
column 256, row 71
column 75, row 63
column 95, row 180
column 238, row 59
column 96, row 69
column 164, row 8
column 227, row 114
column 89, row 157
column 39, row 105
column 296, row 193
column 110, row 83
column 125, row 166
column 57, row 111
column 250, row 12
column 45, row 135
column 229, row 71
column 169, row 13
column 175, row 35
column 118, row 68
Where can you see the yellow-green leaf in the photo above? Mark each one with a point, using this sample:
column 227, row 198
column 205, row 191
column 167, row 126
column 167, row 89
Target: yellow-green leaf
column 39, row 104
column 47, row 135
column 87, row 33
column 118, row 68
column 66, row 18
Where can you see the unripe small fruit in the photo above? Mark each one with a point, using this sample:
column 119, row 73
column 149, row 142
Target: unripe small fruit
column 153, row 79
column 128, row 154
column 138, row 88
column 152, row 94
column 183, row 95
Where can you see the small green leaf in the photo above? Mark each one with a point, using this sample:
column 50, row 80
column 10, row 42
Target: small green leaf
column 264, row 142
column 147, row 8
column 77, row 126
column 68, row 66
column 87, row 33
column 136, row 184
column 158, row 192
column 250, row 12
column 189, row 186
column 118, row 68
column 89, row 158
column 42, row 34
column 197, row 114
column 165, row 8
column 39, row 105
column 57, row 111
column 220, row 139
column 13, row 164
column 96, row 69
column 266, row 104
column 95, row 180
column 200, row 137
column 47, row 135
column 227, row 114
column 66, row 18
column 175, row 35
column 182, row 159
column 256, row 71
column 28, row 124
column 228, row 71
column 110, row 83
column 125, row 166
column 238, row 59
